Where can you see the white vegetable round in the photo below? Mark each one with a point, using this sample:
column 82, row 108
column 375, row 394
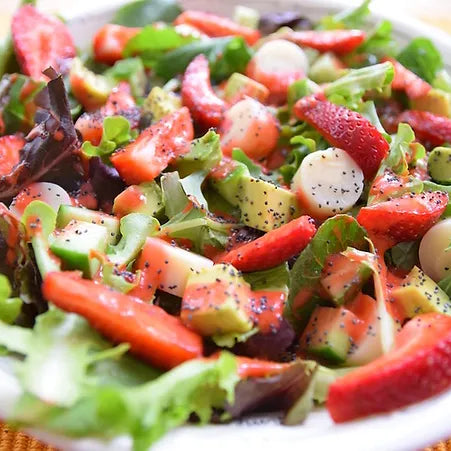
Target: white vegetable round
column 280, row 56
column 328, row 182
column 50, row 193
column 435, row 259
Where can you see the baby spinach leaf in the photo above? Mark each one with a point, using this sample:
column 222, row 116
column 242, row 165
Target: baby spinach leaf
column 144, row 12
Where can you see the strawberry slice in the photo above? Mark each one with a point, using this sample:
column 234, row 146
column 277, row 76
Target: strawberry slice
column 197, row 94
column 337, row 41
column 10, row 146
column 152, row 333
column 217, row 26
column 427, row 126
column 406, row 80
column 345, row 129
column 406, row 218
column 109, row 42
column 153, row 150
column 418, row 367
column 273, row 248
column 40, row 41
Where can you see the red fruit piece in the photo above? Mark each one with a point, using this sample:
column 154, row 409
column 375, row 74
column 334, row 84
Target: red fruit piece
column 337, row 41
column 427, row 126
column 109, row 42
column 217, row 26
column 40, row 41
column 406, row 218
column 120, row 102
column 345, row 129
column 198, row 95
column 152, row 333
column 273, row 248
column 406, row 80
column 418, row 367
column 10, row 146
column 153, row 150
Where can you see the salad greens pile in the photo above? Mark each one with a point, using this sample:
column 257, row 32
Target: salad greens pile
column 204, row 218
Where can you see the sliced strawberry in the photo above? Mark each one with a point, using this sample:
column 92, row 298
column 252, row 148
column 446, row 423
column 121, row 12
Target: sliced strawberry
column 152, row 333
column 217, row 26
column 406, row 80
column 109, row 42
column 144, row 159
column 119, row 102
column 427, row 126
column 10, row 146
column 418, row 367
column 274, row 247
column 345, row 129
column 337, row 41
column 40, row 41
column 406, row 218
column 197, row 94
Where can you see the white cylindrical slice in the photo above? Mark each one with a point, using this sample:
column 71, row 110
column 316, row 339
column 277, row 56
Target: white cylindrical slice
column 328, row 182
column 280, row 56
column 435, row 259
column 50, row 193
column 250, row 126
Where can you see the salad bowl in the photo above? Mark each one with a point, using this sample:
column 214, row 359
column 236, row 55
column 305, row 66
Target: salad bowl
column 411, row 428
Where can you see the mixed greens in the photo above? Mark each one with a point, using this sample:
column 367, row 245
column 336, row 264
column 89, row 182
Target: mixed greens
column 203, row 218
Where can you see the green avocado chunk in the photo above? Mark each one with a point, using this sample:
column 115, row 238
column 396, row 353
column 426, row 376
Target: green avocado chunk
column 439, row 165
column 214, row 301
column 435, row 101
column 420, row 294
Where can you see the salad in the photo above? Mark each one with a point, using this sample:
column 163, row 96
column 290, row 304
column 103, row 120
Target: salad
column 203, row 218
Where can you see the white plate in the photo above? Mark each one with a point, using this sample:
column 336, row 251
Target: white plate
column 412, row 428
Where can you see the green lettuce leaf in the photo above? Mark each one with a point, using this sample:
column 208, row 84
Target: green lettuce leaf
column 404, row 255
column 131, row 70
column 205, row 153
column 152, row 43
column 9, row 307
column 299, row 89
column 116, row 133
column 379, row 41
column 422, row 57
column 350, row 88
column 442, row 81
column 349, row 18
column 445, row 285
column 145, row 412
column 17, row 102
column 431, row 186
column 174, row 198
column 254, row 169
column 192, row 185
column 274, row 279
column 144, row 12
column 226, row 56
column 333, row 236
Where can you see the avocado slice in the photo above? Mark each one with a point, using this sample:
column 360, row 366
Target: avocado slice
column 435, row 101
column 265, row 206
column 39, row 220
column 420, row 294
column 439, row 165
column 328, row 334
column 145, row 198
column 326, row 68
column 205, row 153
column 225, row 178
column 342, row 279
column 67, row 213
column 160, row 103
column 135, row 228
column 74, row 244
column 216, row 301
